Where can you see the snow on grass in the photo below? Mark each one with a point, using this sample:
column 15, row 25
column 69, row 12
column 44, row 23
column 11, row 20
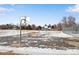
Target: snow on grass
column 47, row 33
column 3, row 42
column 39, row 51
column 55, row 34
column 11, row 32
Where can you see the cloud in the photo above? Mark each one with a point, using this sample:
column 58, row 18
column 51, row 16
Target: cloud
column 2, row 9
column 74, row 8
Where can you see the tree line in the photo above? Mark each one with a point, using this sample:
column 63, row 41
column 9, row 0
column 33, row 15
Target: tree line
column 28, row 27
column 67, row 22
column 64, row 23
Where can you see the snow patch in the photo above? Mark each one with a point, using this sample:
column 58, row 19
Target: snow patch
column 39, row 51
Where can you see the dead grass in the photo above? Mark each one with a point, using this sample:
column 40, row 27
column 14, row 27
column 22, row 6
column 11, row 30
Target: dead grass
column 7, row 53
column 74, row 42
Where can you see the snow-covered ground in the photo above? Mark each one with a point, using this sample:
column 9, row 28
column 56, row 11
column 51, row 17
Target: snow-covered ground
column 11, row 32
column 48, row 33
column 39, row 51
column 36, row 50
column 56, row 34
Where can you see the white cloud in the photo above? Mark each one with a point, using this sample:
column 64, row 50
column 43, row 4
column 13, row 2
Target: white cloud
column 74, row 8
column 2, row 9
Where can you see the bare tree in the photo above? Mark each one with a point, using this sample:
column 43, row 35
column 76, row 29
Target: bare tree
column 71, row 21
column 59, row 26
column 64, row 22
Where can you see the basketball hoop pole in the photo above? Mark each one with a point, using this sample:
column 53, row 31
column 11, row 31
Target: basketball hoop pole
column 20, row 34
column 21, row 29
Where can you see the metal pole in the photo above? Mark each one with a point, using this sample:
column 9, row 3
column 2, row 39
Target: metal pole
column 20, row 34
column 20, row 30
